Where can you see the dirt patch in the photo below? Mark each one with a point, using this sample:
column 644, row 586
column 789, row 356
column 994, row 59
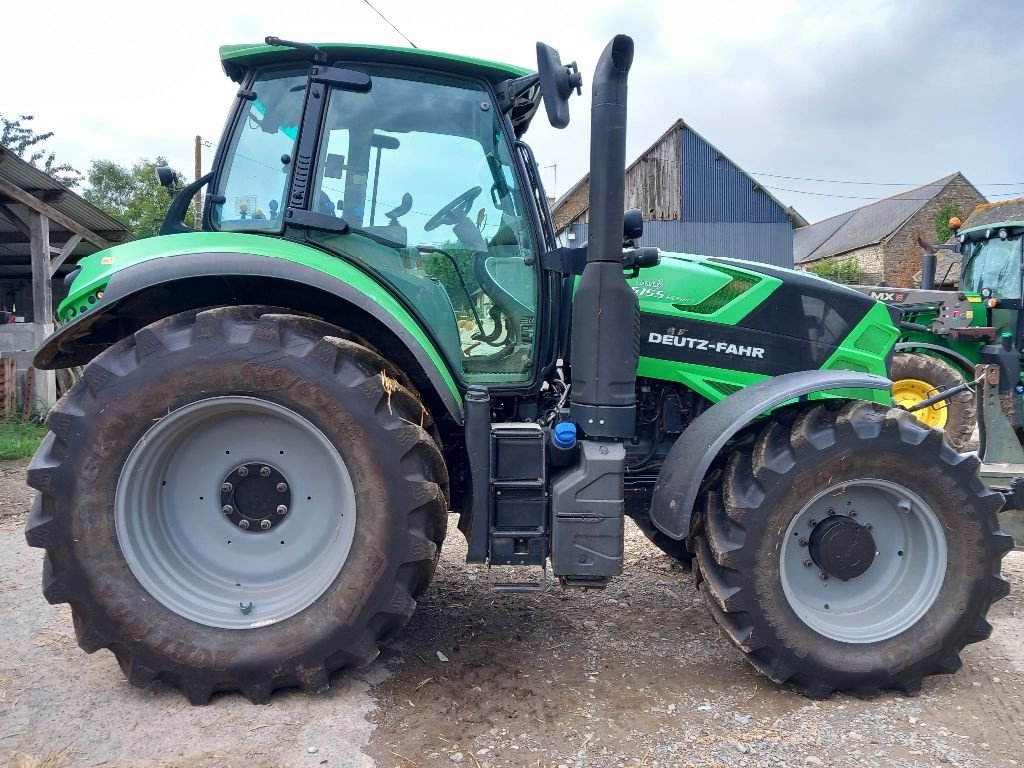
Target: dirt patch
column 15, row 496
column 638, row 675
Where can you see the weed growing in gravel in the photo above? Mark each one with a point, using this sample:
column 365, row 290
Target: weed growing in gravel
column 19, row 441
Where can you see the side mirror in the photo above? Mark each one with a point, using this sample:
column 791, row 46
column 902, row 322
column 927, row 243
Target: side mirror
column 557, row 82
column 632, row 224
column 166, row 177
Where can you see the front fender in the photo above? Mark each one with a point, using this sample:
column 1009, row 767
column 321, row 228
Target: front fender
column 690, row 457
column 175, row 277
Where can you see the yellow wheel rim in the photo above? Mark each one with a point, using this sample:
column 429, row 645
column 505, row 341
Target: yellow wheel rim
column 908, row 392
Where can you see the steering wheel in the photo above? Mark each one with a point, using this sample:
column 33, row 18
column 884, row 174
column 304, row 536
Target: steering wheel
column 455, row 211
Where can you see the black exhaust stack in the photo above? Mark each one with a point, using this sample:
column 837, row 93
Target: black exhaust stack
column 928, row 260
column 606, row 318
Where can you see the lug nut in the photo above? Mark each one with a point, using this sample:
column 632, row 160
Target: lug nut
column 281, row 487
column 812, row 522
column 265, row 525
column 227, row 509
column 853, row 513
column 831, row 512
column 282, row 509
column 823, row 576
column 868, row 526
column 243, row 524
column 227, row 488
column 265, row 471
column 808, row 563
column 803, row 542
column 245, row 608
column 243, row 471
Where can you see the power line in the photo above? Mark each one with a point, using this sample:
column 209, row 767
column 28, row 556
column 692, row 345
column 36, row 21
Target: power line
column 913, row 185
column 410, row 42
column 879, row 183
column 862, row 197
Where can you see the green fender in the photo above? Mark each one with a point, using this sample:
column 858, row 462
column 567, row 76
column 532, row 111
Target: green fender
column 109, row 278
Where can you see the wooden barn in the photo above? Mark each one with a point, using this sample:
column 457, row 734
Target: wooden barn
column 694, row 200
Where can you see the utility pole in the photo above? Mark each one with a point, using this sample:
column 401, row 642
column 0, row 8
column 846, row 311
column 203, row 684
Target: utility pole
column 554, row 180
column 197, row 220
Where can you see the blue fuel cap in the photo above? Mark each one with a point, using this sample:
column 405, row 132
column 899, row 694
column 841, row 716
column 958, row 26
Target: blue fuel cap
column 564, row 434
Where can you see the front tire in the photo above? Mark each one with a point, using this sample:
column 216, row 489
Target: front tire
column 851, row 550
column 238, row 500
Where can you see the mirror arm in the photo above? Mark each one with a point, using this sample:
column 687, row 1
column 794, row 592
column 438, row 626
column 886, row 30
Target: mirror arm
column 174, row 221
column 509, row 91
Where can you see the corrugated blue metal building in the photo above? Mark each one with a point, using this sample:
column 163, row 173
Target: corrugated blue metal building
column 694, row 200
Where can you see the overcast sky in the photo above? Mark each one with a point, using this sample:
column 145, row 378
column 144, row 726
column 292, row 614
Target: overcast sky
column 901, row 92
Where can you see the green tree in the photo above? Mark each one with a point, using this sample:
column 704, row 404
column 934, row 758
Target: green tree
column 441, row 268
column 942, row 230
column 131, row 195
column 21, row 138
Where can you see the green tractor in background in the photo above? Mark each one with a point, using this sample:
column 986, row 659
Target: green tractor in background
column 945, row 335
column 249, row 487
column 943, row 332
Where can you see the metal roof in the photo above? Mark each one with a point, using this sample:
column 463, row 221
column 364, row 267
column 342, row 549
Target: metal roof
column 15, row 255
column 680, row 125
column 866, row 225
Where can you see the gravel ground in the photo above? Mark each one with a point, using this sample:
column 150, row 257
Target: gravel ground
column 634, row 676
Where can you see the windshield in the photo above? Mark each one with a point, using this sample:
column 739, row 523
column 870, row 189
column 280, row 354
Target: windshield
column 408, row 148
column 420, row 170
column 259, row 156
column 995, row 264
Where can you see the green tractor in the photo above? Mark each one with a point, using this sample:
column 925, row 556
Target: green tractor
column 944, row 334
column 249, row 487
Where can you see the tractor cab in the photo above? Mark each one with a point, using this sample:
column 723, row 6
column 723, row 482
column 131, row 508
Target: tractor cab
column 413, row 174
column 991, row 265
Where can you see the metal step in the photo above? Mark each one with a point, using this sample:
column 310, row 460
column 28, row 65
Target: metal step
column 518, row 586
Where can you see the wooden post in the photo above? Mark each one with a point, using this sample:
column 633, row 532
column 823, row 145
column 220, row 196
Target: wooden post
column 8, row 387
column 42, row 301
column 197, row 221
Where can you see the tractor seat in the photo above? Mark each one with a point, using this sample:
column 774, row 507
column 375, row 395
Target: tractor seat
column 401, row 210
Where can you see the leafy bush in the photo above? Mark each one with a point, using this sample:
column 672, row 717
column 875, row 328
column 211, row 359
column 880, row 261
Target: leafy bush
column 942, row 230
column 836, row 269
column 441, row 268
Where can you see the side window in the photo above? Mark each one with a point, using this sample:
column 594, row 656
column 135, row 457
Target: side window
column 258, row 162
column 422, row 169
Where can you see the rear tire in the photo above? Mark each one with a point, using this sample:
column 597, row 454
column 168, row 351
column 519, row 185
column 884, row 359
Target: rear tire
column 937, row 538
column 143, row 555
column 917, row 376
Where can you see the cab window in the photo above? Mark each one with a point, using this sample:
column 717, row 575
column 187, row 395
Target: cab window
column 420, row 170
column 258, row 160
column 993, row 263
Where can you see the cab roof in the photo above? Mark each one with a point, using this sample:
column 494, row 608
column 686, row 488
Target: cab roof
column 236, row 59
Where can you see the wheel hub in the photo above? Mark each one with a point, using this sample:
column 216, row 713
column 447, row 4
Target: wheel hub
column 255, row 496
column 841, row 547
column 910, row 392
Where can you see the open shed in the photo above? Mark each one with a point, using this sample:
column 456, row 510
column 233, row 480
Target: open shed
column 45, row 228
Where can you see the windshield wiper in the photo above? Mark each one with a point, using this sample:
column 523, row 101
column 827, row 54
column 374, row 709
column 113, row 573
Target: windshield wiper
column 318, row 56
